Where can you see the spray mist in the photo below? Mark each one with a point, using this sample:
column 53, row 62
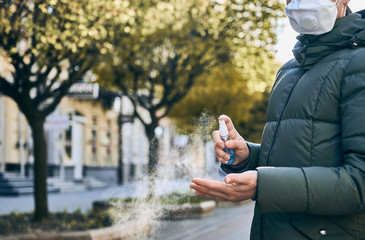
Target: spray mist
column 223, row 131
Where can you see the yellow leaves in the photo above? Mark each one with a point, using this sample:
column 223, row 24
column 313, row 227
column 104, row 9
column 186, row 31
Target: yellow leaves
column 103, row 50
column 68, row 25
column 43, row 8
column 43, row 39
column 120, row 3
column 164, row 6
column 131, row 21
column 81, row 44
column 172, row 13
column 131, row 12
column 241, row 34
column 127, row 29
column 74, row 48
column 103, row 33
column 108, row 46
column 257, row 86
column 6, row 23
column 123, row 18
column 136, row 48
column 84, row 33
column 12, row 8
column 13, row 50
column 53, row 2
column 145, row 31
column 108, row 15
column 58, row 46
column 93, row 34
column 35, row 51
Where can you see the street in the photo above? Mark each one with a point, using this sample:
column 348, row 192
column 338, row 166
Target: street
column 228, row 222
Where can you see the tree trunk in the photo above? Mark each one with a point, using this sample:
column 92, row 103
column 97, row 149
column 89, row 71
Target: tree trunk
column 40, row 170
column 152, row 159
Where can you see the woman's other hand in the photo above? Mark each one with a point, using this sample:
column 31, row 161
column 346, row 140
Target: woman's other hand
column 235, row 188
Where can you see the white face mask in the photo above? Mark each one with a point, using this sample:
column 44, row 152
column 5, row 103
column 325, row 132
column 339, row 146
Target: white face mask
column 312, row 16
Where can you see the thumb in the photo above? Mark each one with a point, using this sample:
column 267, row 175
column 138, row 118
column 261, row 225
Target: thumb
column 233, row 178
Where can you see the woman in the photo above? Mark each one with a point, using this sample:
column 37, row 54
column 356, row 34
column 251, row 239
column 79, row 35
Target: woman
column 308, row 174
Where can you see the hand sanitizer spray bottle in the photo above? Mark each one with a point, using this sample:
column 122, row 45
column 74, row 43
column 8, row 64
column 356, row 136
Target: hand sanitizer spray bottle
column 223, row 131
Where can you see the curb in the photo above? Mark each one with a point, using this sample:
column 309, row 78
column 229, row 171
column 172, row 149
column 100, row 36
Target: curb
column 173, row 211
column 125, row 231
column 178, row 212
column 229, row 204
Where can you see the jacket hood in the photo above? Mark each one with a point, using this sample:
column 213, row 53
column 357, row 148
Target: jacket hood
column 348, row 32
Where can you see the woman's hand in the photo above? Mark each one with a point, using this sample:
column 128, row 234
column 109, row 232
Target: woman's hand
column 237, row 143
column 235, row 188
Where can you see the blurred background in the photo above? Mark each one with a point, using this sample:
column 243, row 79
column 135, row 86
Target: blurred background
column 103, row 93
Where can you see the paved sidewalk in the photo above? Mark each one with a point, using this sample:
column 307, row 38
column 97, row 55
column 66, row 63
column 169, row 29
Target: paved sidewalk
column 228, row 222
column 83, row 200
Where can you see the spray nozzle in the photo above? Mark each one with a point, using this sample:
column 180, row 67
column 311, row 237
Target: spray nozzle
column 223, row 131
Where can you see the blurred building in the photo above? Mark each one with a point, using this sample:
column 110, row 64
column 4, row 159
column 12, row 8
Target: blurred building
column 82, row 137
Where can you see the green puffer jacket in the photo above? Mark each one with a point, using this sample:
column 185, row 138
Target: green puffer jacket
column 311, row 161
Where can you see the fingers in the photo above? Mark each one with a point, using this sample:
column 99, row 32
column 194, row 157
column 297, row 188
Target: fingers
column 210, row 196
column 217, row 139
column 209, row 193
column 228, row 121
column 209, row 184
column 240, row 148
column 234, row 188
column 221, row 155
column 210, row 189
column 236, row 144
